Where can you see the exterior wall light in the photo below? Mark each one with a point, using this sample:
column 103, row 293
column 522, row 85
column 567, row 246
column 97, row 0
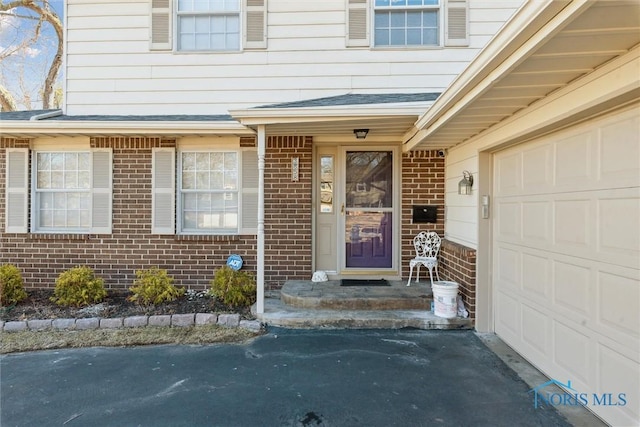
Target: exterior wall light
column 465, row 184
column 361, row 133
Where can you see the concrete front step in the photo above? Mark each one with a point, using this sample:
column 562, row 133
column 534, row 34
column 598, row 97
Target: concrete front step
column 330, row 295
column 282, row 315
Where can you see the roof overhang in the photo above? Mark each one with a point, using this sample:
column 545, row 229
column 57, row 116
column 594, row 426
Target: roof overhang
column 544, row 48
column 386, row 119
column 31, row 129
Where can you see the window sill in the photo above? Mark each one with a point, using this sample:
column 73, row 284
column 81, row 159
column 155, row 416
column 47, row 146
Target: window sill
column 59, row 236
column 211, row 237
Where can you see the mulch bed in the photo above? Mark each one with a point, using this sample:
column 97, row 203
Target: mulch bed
column 39, row 306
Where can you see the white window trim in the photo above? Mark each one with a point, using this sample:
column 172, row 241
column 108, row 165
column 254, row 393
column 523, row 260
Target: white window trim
column 94, row 191
column 453, row 24
column 163, row 32
column 179, row 193
column 440, row 8
column 176, row 28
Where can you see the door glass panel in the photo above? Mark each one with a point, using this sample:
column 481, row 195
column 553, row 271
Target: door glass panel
column 326, row 184
column 368, row 209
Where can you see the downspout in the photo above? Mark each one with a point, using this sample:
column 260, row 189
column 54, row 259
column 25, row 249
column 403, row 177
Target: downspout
column 260, row 272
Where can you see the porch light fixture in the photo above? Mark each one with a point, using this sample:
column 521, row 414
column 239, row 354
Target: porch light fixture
column 361, row 133
column 465, row 184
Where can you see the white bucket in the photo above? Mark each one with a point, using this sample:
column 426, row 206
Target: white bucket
column 445, row 298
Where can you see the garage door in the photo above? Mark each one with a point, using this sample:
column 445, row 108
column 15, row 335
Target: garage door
column 566, row 259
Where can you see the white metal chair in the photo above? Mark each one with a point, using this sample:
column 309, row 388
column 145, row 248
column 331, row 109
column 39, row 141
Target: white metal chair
column 427, row 245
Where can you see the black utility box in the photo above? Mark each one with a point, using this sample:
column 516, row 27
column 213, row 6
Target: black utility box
column 424, row 213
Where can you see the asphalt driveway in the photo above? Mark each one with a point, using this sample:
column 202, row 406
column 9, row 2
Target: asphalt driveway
column 285, row 378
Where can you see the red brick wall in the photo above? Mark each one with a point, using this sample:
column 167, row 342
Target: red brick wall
column 191, row 260
column 457, row 263
column 422, row 184
column 287, row 210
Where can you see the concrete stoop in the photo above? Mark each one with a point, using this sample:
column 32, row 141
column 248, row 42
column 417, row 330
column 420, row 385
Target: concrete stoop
column 327, row 305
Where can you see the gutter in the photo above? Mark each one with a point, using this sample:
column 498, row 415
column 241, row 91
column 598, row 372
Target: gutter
column 47, row 115
column 38, row 126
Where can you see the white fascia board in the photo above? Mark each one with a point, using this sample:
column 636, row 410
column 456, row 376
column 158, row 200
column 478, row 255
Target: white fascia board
column 532, row 26
column 48, row 127
column 612, row 86
column 255, row 116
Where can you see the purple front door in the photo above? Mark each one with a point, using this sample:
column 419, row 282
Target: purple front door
column 368, row 209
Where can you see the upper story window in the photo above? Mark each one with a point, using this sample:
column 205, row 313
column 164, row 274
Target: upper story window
column 210, row 25
column 407, row 23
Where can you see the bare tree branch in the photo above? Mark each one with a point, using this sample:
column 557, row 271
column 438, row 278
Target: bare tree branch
column 45, row 15
column 7, row 103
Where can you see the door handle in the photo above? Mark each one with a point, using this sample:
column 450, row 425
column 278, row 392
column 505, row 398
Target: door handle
column 342, row 210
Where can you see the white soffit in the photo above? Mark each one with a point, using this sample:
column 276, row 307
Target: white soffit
column 548, row 56
column 389, row 119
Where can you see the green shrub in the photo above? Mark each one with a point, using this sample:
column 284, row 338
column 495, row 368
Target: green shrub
column 154, row 286
column 234, row 288
column 78, row 286
column 11, row 285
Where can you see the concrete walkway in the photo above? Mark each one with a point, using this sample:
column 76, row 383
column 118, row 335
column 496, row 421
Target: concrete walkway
column 305, row 304
column 285, row 378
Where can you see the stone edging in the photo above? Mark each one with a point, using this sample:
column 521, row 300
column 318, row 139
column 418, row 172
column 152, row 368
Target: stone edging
column 174, row 320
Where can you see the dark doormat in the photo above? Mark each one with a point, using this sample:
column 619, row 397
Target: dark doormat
column 364, row 282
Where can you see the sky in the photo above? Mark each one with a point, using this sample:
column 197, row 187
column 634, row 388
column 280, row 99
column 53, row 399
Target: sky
column 23, row 68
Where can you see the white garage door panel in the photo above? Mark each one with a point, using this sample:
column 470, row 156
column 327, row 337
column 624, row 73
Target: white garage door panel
column 618, row 306
column 572, row 351
column 566, row 257
column 573, row 287
column 617, row 372
column 535, row 330
column 619, row 227
column 619, row 153
column 508, row 315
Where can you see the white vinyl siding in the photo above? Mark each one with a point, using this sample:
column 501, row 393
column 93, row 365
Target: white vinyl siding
column 200, row 204
column 17, row 190
column 163, row 189
column 72, row 191
column 110, row 69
